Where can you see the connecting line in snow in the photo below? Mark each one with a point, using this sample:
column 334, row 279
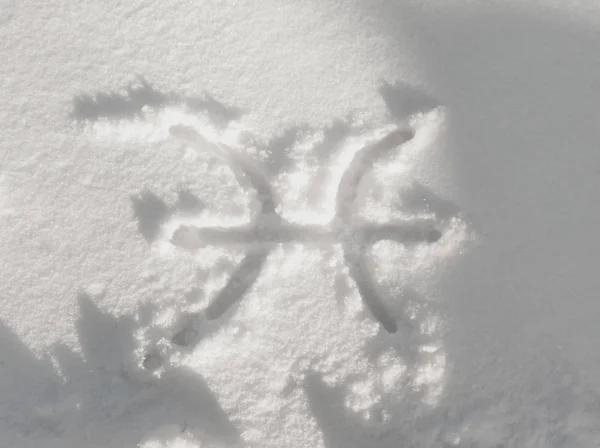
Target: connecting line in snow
column 267, row 228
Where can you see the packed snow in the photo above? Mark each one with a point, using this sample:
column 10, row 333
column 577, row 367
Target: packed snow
column 280, row 224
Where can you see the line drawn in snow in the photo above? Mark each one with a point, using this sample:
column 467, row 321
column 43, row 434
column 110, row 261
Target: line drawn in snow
column 268, row 228
column 152, row 212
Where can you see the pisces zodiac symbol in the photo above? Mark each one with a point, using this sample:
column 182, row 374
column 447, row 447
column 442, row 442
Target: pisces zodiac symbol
column 268, row 228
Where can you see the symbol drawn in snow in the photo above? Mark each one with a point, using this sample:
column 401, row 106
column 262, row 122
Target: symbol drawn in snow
column 268, row 228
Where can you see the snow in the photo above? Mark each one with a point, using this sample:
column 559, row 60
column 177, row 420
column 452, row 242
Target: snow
column 299, row 224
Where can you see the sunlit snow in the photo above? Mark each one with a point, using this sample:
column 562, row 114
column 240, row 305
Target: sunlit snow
column 299, row 224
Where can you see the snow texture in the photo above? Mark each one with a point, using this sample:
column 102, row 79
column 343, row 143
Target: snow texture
column 299, row 224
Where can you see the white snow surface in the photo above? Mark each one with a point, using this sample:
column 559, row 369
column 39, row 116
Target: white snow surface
column 186, row 213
